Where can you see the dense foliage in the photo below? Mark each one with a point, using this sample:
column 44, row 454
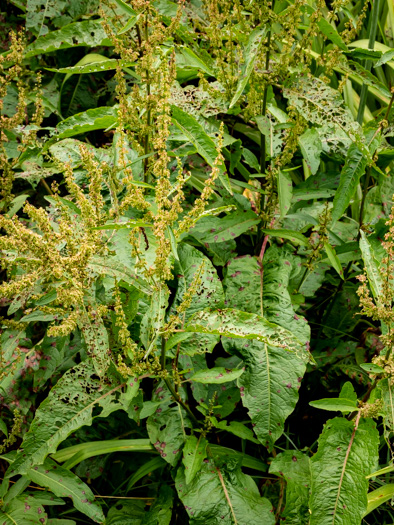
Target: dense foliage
column 197, row 253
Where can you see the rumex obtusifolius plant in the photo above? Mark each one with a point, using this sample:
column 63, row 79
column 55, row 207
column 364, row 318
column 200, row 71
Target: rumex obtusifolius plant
column 190, row 195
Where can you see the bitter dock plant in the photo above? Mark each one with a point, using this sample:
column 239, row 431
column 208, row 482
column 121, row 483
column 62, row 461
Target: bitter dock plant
column 197, row 256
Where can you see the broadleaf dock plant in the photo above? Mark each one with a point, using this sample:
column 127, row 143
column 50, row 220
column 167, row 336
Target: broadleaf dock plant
column 197, row 245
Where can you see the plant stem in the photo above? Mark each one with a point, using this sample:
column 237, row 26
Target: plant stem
column 368, row 63
column 170, row 387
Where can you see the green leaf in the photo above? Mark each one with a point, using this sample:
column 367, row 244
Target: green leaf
column 23, row 510
column 250, row 54
column 69, row 406
column 96, row 118
column 196, row 134
column 333, row 258
column 272, row 377
column 166, row 429
column 215, row 229
column 37, row 316
column 371, row 368
column 372, row 267
column 126, row 8
column 96, row 339
column 339, row 469
column 351, row 173
column 388, row 55
column 216, row 375
column 118, row 270
column 236, row 428
column 194, row 453
column 95, row 64
column 241, row 325
column 379, row 496
column 194, row 61
column 77, row 453
column 311, row 148
column 293, row 236
column 64, row 483
column 331, row 33
column 294, row 467
column 153, row 320
column 145, row 469
column 3, row 428
column 334, row 404
column 205, row 499
column 87, row 33
column 209, row 295
column 285, row 192
column 160, row 512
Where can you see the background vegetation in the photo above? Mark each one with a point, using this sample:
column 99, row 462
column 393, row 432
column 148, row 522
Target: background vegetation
column 197, row 257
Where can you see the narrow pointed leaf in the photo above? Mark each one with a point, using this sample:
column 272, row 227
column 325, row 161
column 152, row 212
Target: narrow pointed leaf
column 352, row 171
column 251, row 52
column 216, row 375
column 372, row 267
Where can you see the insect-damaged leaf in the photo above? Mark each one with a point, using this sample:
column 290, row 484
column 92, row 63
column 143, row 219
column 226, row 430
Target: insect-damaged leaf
column 209, row 294
column 86, row 33
column 194, row 453
column 215, row 229
column 23, row 510
column 207, row 501
column 216, row 375
column 64, row 483
column 96, row 340
column 230, row 322
column 68, row 407
column 338, row 472
column 294, row 467
column 269, row 386
column 251, row 52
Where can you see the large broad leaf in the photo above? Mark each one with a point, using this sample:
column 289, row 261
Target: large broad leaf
column 351, row 173
column 216, row 230
column 23, row 510
column 167, row 427
column 68, row 407
column 95, row 118
column 262, row 288
column 196, row 134
column 322, row 105
column 208, row 502
column 209, row 294
column 116, row 269
column 270, row 383
column 250, row 55
column 339, row 468
column 88, row 33
column 241, row 325
column 269, row 386
column 294, row 467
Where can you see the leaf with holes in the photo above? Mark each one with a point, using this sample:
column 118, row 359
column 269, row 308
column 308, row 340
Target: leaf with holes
column 194, row 453
column 68, row 407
